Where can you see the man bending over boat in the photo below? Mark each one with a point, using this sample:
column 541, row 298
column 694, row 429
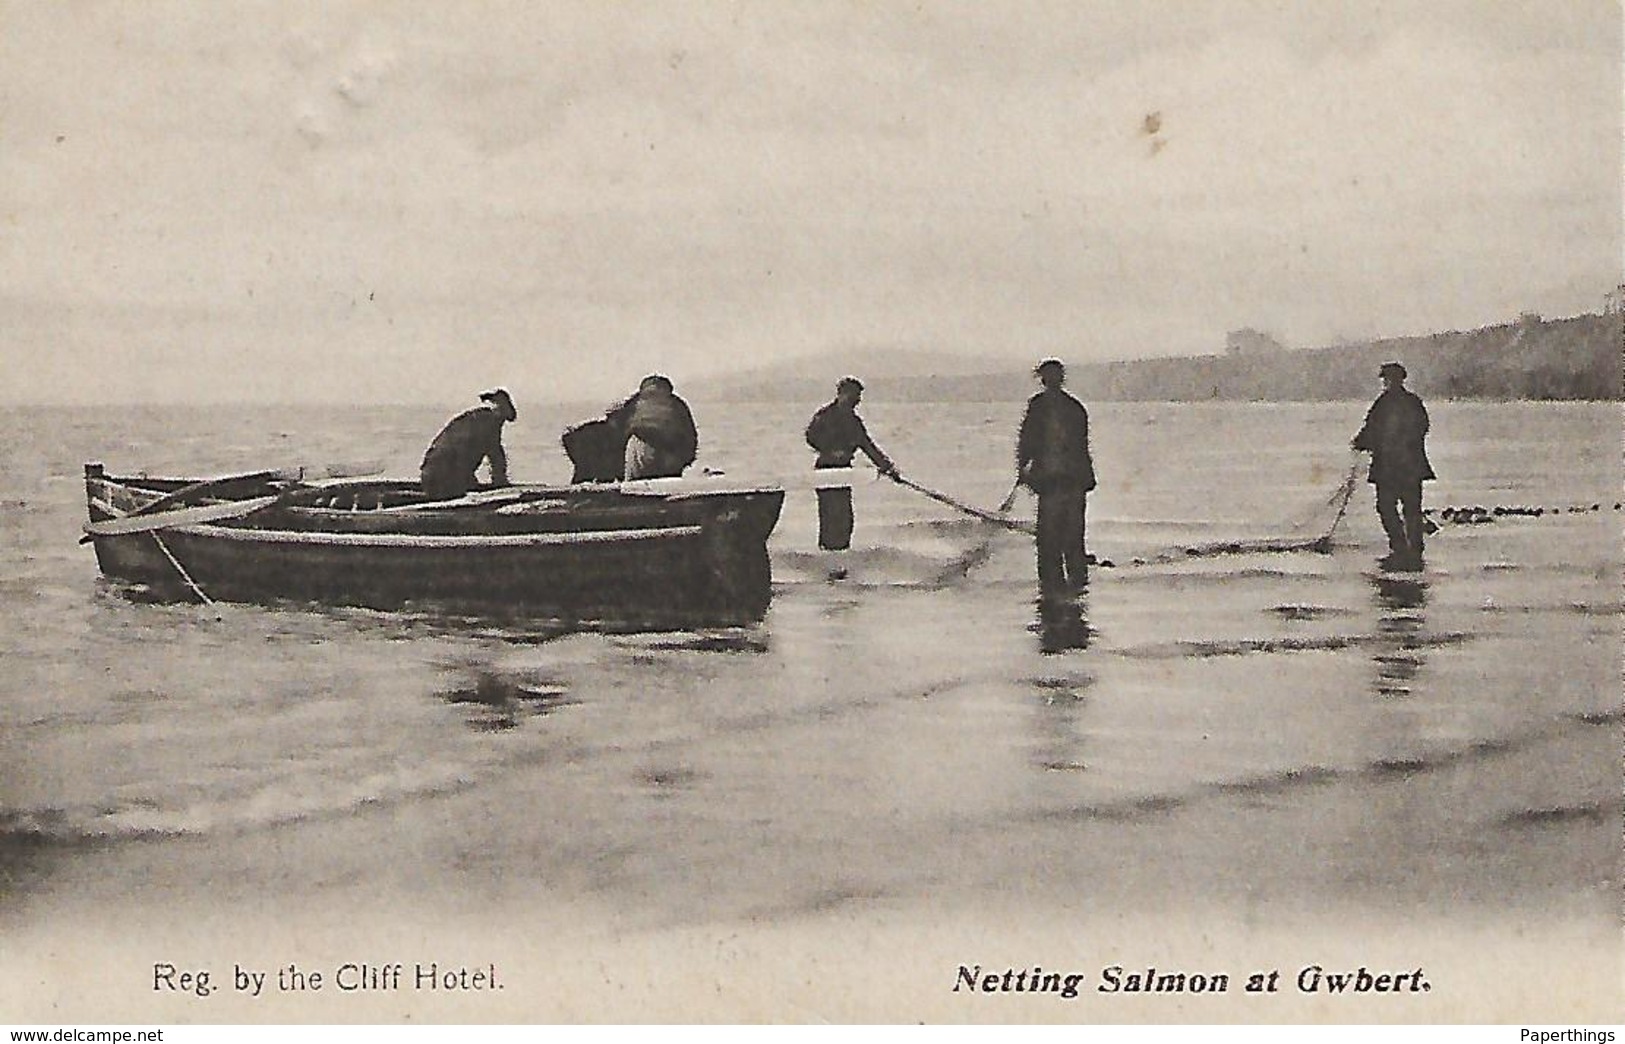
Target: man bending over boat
column 468, row 440
column 661, row 439
column 650, row 435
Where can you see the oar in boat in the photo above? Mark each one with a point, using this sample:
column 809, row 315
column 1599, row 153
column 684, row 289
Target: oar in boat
column 162, row 506
column 136, row 523
column 672, row 488
column 203, row 486
column 292, row 473
column 499, row 497
column 704, row 485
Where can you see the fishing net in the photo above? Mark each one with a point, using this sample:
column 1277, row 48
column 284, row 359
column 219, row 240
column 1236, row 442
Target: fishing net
column 1316, row 532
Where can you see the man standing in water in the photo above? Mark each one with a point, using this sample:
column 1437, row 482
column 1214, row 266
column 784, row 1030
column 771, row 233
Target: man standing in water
column 1394, row 434
column 1053, row 460
column 837, row 433
column 468, row 440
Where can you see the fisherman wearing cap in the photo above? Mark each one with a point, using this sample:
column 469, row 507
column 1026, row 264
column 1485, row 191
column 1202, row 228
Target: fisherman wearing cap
column 837, row 433
column 1394, row 434
column 468, row 440
column 1052, row 460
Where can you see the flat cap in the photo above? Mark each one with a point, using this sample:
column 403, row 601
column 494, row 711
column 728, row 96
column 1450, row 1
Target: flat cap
column 499, row 397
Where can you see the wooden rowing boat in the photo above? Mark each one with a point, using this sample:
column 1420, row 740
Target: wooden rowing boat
column 666, row 551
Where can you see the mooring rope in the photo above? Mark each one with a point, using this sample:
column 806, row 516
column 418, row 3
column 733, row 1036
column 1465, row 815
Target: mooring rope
column 180, row 569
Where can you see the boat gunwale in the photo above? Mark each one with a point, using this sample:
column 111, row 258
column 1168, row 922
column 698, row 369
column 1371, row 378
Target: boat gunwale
column 247, row 531
column 250, row 534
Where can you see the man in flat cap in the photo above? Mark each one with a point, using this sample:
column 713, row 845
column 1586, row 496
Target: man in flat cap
column 1053, row 460
column 1395, row 433
column 838, row 433
column 468, row 440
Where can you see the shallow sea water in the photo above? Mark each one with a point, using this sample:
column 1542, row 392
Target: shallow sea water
column 870, row 736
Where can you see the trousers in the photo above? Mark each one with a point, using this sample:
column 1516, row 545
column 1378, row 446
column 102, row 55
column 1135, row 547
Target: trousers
column 1399, row 506
column 443, row 483
column 834, row 519
column 1062, row 557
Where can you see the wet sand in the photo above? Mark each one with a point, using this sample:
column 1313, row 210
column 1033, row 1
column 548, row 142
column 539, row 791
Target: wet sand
column 1508, row 925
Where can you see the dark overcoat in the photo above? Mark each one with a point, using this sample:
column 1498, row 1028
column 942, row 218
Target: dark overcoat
column 467, row 441
column 1052, row 447
column 1395, row 433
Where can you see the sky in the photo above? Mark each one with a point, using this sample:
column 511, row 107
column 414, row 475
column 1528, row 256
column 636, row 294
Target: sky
column 397, row 202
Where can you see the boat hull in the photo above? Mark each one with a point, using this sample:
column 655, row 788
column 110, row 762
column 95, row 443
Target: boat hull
column 583, row 554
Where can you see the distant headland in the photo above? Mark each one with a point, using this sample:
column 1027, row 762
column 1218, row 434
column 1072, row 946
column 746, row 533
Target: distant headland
column 1531, row 357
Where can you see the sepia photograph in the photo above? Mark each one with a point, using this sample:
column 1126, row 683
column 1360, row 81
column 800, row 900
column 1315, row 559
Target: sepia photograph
column 726, row 512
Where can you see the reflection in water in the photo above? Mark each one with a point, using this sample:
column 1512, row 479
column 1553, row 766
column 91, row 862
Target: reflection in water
column 501, row 702
column 1400, row 623
column 1061, row 624
column 1058, row 743
column 517, row 625
column 740, row 640
column 27, row 855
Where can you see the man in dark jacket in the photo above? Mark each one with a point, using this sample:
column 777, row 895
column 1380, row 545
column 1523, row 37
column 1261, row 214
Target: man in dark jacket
column 650, row 435
column 661, row 439
column 1052, row 460
column 837, row 433
column 1395, row 433
column 597, row 449
column 468, row 440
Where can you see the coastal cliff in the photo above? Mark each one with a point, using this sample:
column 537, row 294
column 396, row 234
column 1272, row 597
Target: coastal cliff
column 1532, row 358
column 1577, row 357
